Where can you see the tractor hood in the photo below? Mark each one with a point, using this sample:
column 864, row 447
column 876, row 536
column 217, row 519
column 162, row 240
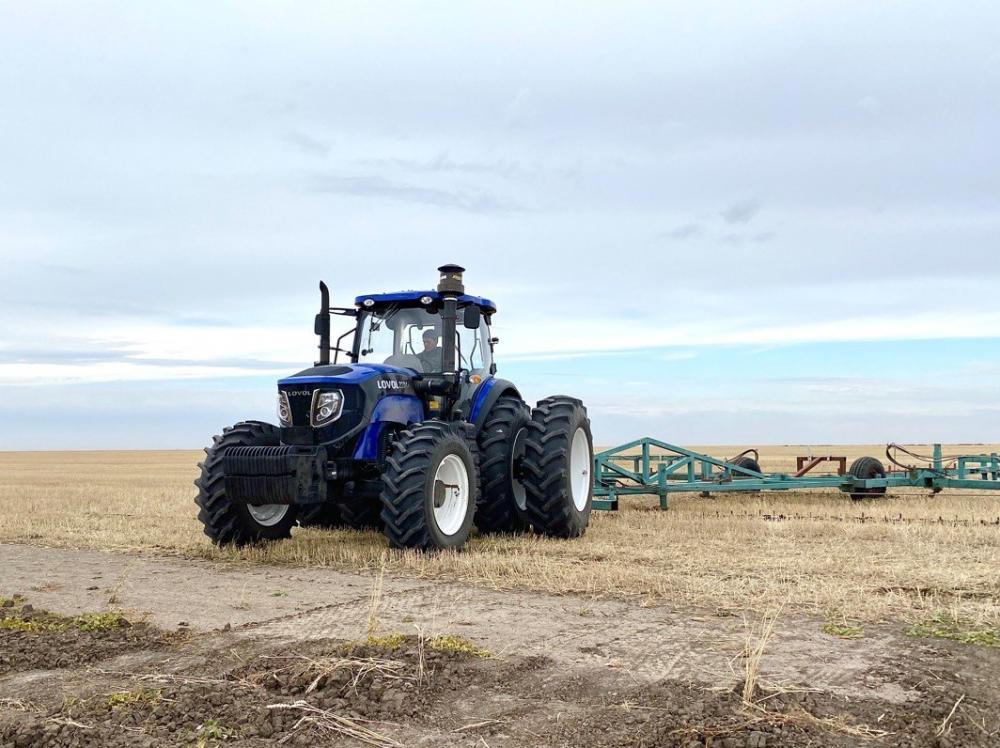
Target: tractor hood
column 334, row 374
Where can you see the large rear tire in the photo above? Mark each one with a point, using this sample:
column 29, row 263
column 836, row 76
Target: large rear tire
column 557, row 467
column 234, row 522
column 867, row 468
column 502, row 504
column 430, row 487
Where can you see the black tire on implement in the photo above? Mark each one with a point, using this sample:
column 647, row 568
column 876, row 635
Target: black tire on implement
column 502, row 502
column 867, row 468
column 408, row 494
column 548, row 470
column 226, row 521
column 748, row 462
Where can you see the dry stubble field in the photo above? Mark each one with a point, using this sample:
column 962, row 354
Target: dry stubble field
column 914, row 558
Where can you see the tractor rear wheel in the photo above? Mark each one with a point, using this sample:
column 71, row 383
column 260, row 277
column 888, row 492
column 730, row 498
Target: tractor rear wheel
column 229, row 521
column 501, row 447
column 430, row 487
column 557, row 465
column 867, row 468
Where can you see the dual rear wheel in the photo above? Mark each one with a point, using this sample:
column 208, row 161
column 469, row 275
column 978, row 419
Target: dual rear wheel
column 536, row 467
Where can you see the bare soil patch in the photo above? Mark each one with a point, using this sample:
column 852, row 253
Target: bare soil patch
column 214, row 657
column 215, row 689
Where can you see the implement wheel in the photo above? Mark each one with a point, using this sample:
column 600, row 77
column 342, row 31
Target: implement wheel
column 558, row 462
column 430, row 487
column 748, row 462
column 228, row 521
column 501, row 448
column 867, row 468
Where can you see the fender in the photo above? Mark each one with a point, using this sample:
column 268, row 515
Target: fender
column 401, row 409
column 486, row 396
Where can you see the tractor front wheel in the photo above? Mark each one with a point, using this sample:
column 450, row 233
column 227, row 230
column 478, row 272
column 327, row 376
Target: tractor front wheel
column 557, row 466
column 430, row 487
column 228, row 521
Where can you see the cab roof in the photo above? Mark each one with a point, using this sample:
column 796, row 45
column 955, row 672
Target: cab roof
column 413, row 297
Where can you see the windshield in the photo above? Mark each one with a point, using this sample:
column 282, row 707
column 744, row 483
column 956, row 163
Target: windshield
column 411, row 338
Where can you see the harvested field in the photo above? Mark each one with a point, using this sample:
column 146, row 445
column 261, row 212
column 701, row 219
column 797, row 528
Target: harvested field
column 907, row 558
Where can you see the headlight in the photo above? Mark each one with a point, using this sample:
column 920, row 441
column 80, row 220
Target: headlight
column 326, row 407
column 284, row 410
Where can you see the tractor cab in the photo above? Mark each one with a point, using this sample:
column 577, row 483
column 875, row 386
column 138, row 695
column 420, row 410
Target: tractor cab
column 405, row 330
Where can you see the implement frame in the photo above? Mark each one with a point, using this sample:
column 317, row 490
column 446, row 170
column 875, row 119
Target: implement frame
column 648, row 466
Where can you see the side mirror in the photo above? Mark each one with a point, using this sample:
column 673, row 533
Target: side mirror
column 473, row 317
column 322, row 325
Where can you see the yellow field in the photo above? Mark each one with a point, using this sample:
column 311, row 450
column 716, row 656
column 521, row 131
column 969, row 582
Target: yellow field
column 720, row 553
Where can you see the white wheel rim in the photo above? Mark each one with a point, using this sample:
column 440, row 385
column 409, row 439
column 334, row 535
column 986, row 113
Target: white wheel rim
column 517, row 487
column 579, row 470
column 268, row 515
column 454, row 505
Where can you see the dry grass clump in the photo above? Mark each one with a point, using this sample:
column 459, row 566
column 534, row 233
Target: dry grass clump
column 43, row 622
column 132, row 698
column 913, row 558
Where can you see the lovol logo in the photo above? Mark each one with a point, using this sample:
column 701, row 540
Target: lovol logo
column 293, row 393
column 391, row 384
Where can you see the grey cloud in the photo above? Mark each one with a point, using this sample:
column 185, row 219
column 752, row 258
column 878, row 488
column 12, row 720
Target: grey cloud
column 752, row 237
column 64, row 269
column 684, row 231
column 469, row 201
column 307, row 144
column 444, row 163
column 101, row 355
column 741, row 212
column 60, row 356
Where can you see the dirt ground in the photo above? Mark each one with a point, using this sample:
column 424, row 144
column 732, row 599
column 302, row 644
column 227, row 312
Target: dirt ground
column 158, row 651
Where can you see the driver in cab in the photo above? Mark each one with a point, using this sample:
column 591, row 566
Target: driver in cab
column 430, row 356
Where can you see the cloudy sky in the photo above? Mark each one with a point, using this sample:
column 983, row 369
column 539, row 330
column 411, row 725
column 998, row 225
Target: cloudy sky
column 718, row 222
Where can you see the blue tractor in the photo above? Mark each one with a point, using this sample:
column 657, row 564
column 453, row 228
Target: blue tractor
column 412, row 433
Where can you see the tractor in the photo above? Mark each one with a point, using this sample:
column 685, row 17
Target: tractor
column 408, row 430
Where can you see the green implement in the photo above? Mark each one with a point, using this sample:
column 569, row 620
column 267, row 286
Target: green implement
column 651, row 467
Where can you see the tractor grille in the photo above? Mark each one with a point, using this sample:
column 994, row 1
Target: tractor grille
column 300, row 402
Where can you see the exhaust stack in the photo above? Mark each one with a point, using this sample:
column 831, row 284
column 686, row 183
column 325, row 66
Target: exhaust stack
column 450, row 286
column 322, row 325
